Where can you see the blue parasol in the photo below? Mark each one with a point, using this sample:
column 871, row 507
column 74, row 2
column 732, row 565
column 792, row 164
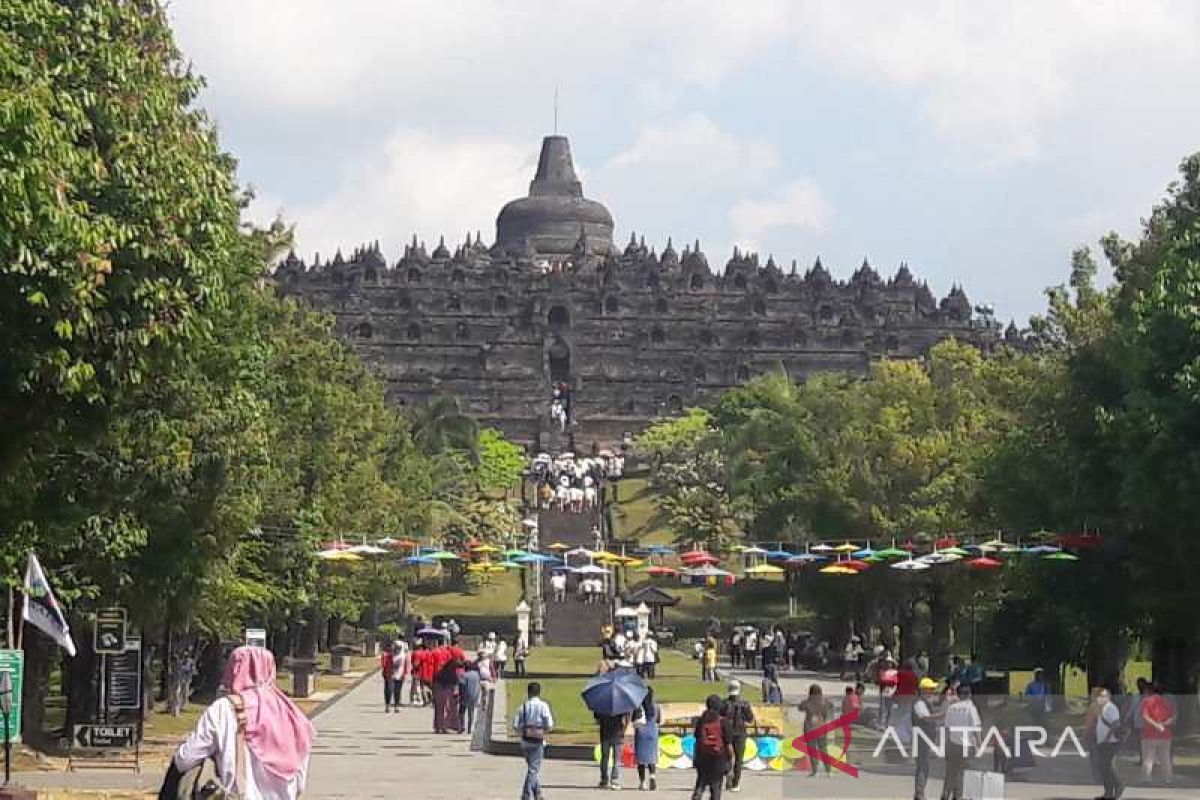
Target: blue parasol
column 615, row 693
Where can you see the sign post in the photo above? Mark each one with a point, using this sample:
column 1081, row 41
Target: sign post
column 123, row 678
column 111, row 631
column 12, row 667
column 256, row 637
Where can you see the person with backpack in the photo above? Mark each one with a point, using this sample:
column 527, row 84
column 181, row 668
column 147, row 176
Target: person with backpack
column 470, row 689
column 255, row 737
column 533, row 722
column 740, row 714
column 714, row 754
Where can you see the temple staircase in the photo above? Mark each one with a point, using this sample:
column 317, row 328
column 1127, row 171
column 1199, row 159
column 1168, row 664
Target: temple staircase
column 571, row 623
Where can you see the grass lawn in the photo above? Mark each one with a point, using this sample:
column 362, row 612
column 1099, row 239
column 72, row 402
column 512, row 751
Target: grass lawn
column 636, row 515
column 678, row 681
column 497, row 597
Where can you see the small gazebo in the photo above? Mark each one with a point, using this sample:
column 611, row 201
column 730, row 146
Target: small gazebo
column 657, row 600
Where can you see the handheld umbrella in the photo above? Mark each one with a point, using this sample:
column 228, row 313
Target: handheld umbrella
column 614, row 693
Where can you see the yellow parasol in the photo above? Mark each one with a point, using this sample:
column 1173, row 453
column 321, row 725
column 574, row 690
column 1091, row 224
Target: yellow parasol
column 765, row 569
column 846, row 547
column 837, row 569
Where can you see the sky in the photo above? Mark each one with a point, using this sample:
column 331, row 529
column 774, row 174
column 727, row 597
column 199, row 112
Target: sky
column 978, row 142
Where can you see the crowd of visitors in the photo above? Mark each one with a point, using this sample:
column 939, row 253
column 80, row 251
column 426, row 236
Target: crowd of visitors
column 570, row 483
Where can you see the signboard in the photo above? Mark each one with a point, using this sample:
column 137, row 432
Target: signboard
column 109, row 635
column 105, row 736
column 256, row 637
column 13, row 662
column 124, row 676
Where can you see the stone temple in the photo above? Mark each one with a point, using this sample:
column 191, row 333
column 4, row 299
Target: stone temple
column 637, row 334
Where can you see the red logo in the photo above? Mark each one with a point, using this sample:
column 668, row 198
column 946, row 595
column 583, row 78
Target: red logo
column 805, row 744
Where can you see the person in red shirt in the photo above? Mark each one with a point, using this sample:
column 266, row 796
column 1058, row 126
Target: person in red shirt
column 852, row 701
column 422, row 670
column 386, row 660
column 1158, row 721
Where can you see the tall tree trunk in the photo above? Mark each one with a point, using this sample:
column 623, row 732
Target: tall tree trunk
column 941, row 630
column 82, row 673
column 37, row 649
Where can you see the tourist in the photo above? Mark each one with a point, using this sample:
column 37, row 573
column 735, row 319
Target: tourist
column 470, row 689
column 448, row 664
column 1107, row 726
column 903, row 699
column 816, row 713
column 533, row 722
column 558, row 582
column 650, row 655
column 424, row 667
column 254, row 718
column 887, row 677
column 750, row 649
column 1158, row 722
column 923, row 664
column 385, row 671
column 521, row 654
column 735, row 648
column 501, row 657
column 645, row 741
column 962, row 735
column 850, row 660
column 714, row 753
column 395, row 671
column 612, row 738
column 1037, row 694
column 768, row 648
column 851, row 702
column 772, row 693
column 925, row 721
column 708, row 670
column 740, row 715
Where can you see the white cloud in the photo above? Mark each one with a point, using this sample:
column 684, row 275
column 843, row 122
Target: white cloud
column 992, row 78
column 799, row 207
column 694, row 152
column 416, row 183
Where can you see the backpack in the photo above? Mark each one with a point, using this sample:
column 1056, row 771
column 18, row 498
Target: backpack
column 711, row 741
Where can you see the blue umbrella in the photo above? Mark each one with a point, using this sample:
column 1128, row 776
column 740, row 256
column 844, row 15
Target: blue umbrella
column 778, row 555
column 615, row 693
column 418, row 561
column 535, row 558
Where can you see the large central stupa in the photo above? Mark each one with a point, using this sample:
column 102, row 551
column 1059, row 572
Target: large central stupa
column 553, row 219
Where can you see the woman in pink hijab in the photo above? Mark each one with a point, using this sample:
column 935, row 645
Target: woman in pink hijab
column 277, row 734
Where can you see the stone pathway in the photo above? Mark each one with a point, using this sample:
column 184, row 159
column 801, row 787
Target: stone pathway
column 362, row 752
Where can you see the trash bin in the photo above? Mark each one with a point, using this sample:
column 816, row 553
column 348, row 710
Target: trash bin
column 339, row 659
column 304, row 677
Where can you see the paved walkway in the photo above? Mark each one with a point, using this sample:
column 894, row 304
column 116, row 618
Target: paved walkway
column 363, row 752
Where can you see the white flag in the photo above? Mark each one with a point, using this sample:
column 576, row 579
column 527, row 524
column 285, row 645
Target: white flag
column 41, row 609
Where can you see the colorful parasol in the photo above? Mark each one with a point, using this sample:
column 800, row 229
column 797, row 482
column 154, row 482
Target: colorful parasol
column 485, row 548
column 1060, row 556
column 892, row 552
column 983, row 562
column 764, row 569
column 659, row 570
column 911, row 565
column 559, row 546
column 338, row 555
column 846, row 547
column 838, row 569
column 821, row 548
column 442, row 555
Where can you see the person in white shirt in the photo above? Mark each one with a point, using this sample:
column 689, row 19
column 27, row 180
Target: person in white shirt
column 257, row 736
column 1108, row 739
column 962, row 735
column 501, row 657
column 533, row 721
column 558, row 582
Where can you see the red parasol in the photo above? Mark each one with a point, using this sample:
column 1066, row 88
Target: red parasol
column 855, row 563
column 703, row 558
column 945, row 543
column 983, row 562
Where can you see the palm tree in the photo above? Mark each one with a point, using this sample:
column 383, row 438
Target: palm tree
column 441, row 426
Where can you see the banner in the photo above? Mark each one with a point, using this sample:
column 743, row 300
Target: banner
column 41, row 609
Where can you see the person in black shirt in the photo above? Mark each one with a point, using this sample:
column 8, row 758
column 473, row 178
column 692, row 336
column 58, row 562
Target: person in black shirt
column 739, row 714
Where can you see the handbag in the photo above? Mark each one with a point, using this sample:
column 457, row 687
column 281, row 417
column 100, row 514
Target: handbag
column 531, row 732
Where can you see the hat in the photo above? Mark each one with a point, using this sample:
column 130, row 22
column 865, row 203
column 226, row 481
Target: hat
column 928, row 684
column 735, row 687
